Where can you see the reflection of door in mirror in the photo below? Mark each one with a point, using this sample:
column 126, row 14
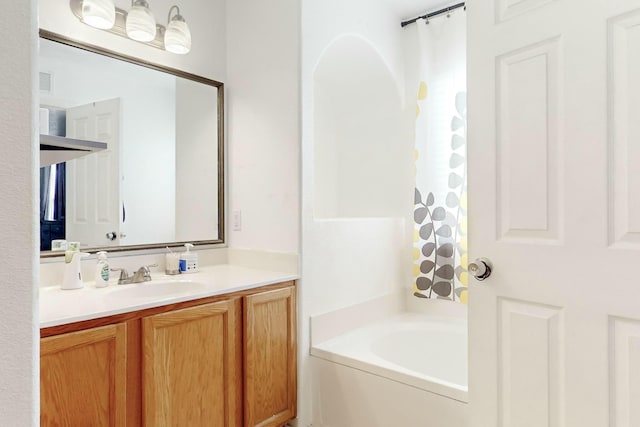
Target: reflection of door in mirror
column 93, row 182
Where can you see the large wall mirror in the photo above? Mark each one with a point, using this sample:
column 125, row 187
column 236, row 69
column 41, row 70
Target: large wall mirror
column 157, row 178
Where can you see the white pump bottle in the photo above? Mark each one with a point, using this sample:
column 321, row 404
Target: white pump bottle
column 72, row 275
column 188, row 260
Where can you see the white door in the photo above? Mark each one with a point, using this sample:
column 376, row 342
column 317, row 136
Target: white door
column 93, row 203
column 554, row 186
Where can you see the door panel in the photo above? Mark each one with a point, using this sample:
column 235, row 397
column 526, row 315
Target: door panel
column 625, row 372
column 507, row 9
column 530, row 364
column 528, row 143
column 624, row 45
column 554, row 202
column 93, row 181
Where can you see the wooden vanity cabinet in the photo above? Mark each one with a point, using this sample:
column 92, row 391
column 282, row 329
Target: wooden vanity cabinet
column 83, row 377
column 270, row 358
column 221, row 361
column 192, row 366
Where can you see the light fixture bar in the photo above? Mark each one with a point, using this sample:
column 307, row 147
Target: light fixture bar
column 119, row 28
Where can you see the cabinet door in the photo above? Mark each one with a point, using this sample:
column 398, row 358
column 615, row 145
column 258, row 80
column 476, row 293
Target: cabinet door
column 192, row 366
column 83, row 378
column 270, row 358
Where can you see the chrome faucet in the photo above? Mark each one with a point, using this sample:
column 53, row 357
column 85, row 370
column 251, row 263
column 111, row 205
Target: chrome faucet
column 143, row 274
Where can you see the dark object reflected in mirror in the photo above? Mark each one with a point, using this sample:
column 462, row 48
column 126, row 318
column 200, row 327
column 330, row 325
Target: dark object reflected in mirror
column 52, row 204
column 159, row 181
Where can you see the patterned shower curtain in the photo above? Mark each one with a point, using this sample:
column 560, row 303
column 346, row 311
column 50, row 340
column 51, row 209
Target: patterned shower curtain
column 440, row 223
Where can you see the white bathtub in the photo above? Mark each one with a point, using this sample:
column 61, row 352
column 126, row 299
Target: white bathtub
column 406, row 370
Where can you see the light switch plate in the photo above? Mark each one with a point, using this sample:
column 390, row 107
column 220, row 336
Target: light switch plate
column 237, row 220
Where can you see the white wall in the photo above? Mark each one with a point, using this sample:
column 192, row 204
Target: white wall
column 148, row 162
column 359, row 153
column 351, row 258
column 19, row 334
column 327, row 26
column 263, row 123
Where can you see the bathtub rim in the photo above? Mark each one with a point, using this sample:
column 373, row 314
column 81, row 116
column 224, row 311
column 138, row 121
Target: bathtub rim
column 374, row 364
column 435, row 386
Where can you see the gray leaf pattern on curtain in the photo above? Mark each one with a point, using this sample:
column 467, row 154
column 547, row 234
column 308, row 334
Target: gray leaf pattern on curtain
column 440, row 246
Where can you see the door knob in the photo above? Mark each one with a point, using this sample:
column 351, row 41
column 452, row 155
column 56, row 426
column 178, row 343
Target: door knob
column 111, row 236
column 480, row 268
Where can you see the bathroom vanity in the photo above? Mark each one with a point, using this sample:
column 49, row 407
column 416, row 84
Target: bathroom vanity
column 222, row 353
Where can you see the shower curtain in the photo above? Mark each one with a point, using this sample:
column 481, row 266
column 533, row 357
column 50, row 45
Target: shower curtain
column 440, row 224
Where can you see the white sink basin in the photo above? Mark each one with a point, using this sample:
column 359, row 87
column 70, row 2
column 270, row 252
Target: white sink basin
column 156, row 290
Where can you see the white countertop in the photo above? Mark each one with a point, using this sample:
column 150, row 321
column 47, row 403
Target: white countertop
column 59, row 307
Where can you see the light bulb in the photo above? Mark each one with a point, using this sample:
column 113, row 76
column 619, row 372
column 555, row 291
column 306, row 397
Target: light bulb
column 177, row 37
column 99, row 13
column 141, row 25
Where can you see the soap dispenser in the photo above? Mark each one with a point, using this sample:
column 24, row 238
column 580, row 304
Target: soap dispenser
column 72, row 275
column 188, row 260
column 102, row 270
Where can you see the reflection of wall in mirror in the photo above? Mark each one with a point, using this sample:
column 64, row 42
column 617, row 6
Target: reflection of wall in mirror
column 196, row 180
column 149, row 163
column 148, row 129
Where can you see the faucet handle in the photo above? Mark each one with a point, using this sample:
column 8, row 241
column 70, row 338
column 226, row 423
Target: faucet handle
column 146, row 268
column 143, row 274
column 124, row 275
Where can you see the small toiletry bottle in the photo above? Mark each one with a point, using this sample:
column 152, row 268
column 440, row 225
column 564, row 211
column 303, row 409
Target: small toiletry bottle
column 188, row 260
column 172, row 264
column 102, row 270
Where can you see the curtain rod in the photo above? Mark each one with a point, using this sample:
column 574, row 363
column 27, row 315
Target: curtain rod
column 432, row 14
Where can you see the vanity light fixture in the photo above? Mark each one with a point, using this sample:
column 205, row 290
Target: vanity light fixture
column 136, row 24
column 99, row 13
column 177, row 37
column 141, row 25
